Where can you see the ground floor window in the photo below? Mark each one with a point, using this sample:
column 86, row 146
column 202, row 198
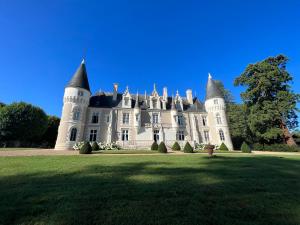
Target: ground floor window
column 124, row 135
column 222, row 136
column 206, row 136
column 180, row 135
column 156, row 135
column 93, row 135
column 73, row 134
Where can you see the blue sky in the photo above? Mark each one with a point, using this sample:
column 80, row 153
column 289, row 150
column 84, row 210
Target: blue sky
column 138, row 43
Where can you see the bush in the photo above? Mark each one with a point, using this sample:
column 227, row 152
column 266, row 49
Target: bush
column 245, row 148
column 154, row 146
column 176, row 146
column 276, row 148
column 162, row 148
column 188, row 148
column 223, row 147
column 86, row 148
column 95, row 146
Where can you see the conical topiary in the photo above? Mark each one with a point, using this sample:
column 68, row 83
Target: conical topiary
column 85, row 148
column 176, row 146
column 245, row 148
column 95, row 146
column 188, row 148
column 223, row 147
column 154, row 146
column 162, row 148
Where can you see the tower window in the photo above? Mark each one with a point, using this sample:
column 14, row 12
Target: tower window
column 95, row 117
column 216, row 101
column 125, row 118
column 93, row 135
column 73, row 134
column 80, row 93
column 125, row 135
column 76, row 114
column 219, row 120
column 180, row 135
column 222, row 136
column 206, row 136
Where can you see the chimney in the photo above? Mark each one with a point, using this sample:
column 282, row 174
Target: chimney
column 115, row 93
column 189, row 96
column 165, row 93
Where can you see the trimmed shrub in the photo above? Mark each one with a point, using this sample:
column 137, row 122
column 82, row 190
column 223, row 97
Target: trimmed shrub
column 188, row 148
column 276, row 148
column 162, row 148
column 245, row 148
column 176, row 146
column 154, row 146
column 223, row 147
column 95, row 146
column 86, row 148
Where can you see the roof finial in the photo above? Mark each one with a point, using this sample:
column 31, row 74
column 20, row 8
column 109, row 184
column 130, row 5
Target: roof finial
column 209, row 76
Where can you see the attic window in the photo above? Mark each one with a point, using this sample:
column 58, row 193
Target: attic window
column 126, row 101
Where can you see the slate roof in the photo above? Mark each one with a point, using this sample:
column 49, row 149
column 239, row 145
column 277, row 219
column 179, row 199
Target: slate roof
column 80, row 78
column 212, row 90
column 105, row 100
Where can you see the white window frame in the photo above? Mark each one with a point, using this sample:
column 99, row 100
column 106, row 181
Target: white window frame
column 180, row 135
column 204, row 121
column 125, row 118
column 155, row 118
column 93, row 135
column 206, row 136
column 76, row 113
column 218, row 118
column 96, row 116
column 222, row 135
column 124, row 134
column 180, row 120
column 73, row 136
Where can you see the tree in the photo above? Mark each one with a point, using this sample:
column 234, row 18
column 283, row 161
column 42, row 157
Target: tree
column 188, row 148
column 50, row 135
column 162, row 147
column 2, row 104
column 223, row 147
column 176, row 146
column 269, row 100
column 22, row 122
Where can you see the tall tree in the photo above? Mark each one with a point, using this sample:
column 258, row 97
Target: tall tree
column 50, row 135
column 269, row 100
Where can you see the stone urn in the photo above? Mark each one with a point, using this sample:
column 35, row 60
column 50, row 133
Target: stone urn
column 210, row 149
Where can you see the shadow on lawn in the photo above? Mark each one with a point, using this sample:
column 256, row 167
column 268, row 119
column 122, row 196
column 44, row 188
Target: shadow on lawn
column 223, row 190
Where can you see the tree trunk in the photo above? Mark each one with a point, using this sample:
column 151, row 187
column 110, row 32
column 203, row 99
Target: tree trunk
column 287, row 136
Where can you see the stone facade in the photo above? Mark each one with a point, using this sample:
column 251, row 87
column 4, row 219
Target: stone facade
column 135, row 121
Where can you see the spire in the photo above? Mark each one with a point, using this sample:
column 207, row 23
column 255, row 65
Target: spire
column 137, row 101
column 212, row 90
column 80, row 78
column 173, row 103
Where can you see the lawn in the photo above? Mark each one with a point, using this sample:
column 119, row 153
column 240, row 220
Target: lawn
column 150, row 189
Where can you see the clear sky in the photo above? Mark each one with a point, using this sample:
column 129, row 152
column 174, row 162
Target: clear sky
column 138, row 43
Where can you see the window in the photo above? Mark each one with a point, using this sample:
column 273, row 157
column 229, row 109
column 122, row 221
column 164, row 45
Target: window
column 216, row 101
column 155, row 118
column 73, row 134
column 206, row 136
column 107, row 119
column 137, row 117
column 80, row 93
column 124, row 135
column 76, row 114
column 95, row 117
column 222, row 136
column 180, row 135
column 93, row 135
column 218, row 117
column 204, row 120
column 155, row 103
column 126, row 101
column 180, row 120
column 156, row 135
column 125, row 118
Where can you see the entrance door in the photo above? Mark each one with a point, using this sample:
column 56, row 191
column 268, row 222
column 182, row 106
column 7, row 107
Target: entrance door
column 156, row 135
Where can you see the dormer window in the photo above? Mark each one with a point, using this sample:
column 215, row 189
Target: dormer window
column 126, row 101
column 80, row 93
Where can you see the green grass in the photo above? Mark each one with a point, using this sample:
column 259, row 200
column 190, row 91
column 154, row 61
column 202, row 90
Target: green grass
column 229, row 189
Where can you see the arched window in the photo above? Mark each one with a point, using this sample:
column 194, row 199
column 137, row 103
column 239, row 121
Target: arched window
column 73, row 134
column 219, row 120
column 76, row 113
column 222, row 136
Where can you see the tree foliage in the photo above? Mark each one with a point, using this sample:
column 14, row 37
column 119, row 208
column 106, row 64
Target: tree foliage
column 269, row 100
column 176, row 146
column 49, row 137
column 22, row 122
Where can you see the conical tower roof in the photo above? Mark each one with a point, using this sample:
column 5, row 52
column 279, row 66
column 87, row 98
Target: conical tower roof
column 80, row 78
column 212, row 90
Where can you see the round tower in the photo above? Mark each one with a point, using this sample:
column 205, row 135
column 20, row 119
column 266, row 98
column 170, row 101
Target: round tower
column 75, row 103
column 216, row 115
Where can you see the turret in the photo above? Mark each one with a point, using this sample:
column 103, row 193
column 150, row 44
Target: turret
column 216, row 110
column 75, row 102
column 174, row 113
column 137, row 112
